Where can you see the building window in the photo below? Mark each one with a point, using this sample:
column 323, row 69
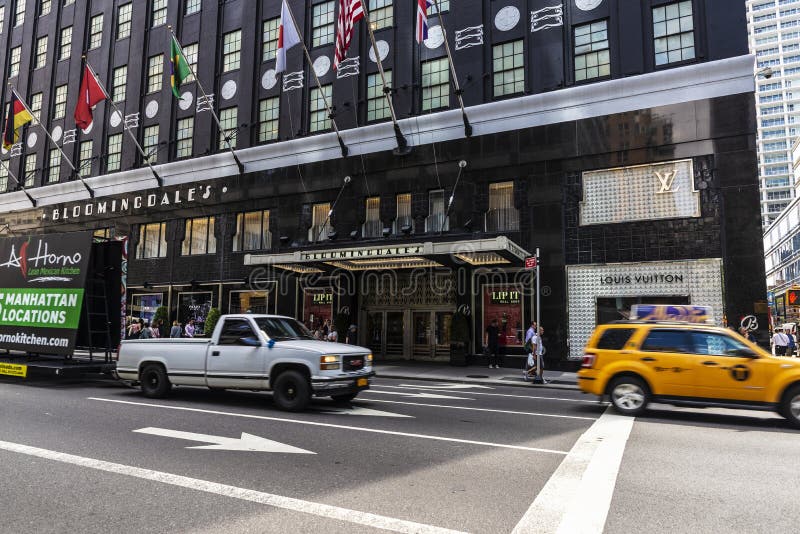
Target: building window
column 159, row 13
column 320, row 120
column 509, row 68
column 268, row 110
column 199, row 237
column 252, row 231
column 403, row 223
column 269, row 38
column 322, row 24
column 68, row 2
column 44, row 7
column 185, row 134
column 41, row 53
column 60, row 102
column 373, row 227
column 227, row 119
column 436, row 220
column 36, row 104
column 231, row 46
column 3, row 179
column 114, row 152
column 65, row 46
column 54, row 166
column 192, row 7
column 150, row 144
column 377, row 106
column 320, row 222
column 85, row 158
column 673, row 31
column 118, row 84
column 435, row 84
column 381, row 14
column 190, row 53
column 155, row 71
column 96, row 31
column 592, row 59
column 444, row 5
column 2, row 23
column 502, row 215
column 152, row 240
column 124, row 21
column 16, row 56
column 19, row 15
column 30, row 170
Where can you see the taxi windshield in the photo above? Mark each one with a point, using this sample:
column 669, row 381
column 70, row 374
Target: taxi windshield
column 283, row 329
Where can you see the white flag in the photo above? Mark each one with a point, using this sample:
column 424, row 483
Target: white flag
column 287, row 37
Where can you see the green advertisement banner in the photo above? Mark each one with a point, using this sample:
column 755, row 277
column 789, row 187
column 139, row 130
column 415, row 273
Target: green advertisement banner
column 43, row 308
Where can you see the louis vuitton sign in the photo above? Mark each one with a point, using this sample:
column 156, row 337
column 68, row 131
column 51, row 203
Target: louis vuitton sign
column 638, row 193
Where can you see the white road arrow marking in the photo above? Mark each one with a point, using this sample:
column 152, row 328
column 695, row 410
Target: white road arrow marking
column 415, row 395
column 360, row 410
column 247, row 442
column 447, row 386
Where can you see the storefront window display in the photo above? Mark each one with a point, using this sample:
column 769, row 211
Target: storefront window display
column 195, row 306
column 144, row 306
column 317, row 307
column 250, row 302
column 504, row 303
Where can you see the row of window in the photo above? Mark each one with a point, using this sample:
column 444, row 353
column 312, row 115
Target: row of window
column 253, row 228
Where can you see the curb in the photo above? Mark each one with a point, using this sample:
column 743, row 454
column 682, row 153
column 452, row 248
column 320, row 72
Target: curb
column 528, row 385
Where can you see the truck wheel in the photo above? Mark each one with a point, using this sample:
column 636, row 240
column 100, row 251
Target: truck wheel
column 155, row 383
column 629, row 395
column 790, row 406
column 344, row 398
column 291, row 391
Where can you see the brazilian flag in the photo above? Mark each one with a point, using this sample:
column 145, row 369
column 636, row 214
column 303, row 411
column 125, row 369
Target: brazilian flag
column 179, row 67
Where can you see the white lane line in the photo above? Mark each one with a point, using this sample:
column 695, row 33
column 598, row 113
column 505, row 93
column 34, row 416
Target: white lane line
column 376, row 386
column 270, row 499
column 578, row 495
column 331, row 425
column 485, row 410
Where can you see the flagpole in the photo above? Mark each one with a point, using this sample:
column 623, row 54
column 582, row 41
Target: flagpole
column 47, row 133
column 458, row 91
column 402, row 144
column 342, row 146
column 19, row 184
column 159, row 181
column 210, row 108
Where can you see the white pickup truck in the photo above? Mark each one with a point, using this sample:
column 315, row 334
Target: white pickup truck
column 253, row 352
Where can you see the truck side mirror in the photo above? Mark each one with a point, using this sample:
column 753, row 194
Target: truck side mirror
column 250, row 341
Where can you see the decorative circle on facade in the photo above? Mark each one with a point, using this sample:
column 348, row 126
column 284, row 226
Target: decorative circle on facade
column 186, row 100
column 322, row 65
column 435, row 37
column 269, row 79
column 88, row 128
column 383, row 49
column 587, row 5
column 151, row 110
column 56, row 133
column 225, row 189
column 507, row 18
column 115, row 119
column 32, row 138
column 228, row 90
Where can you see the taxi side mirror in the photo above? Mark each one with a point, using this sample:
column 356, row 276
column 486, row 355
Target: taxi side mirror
column 742, row 352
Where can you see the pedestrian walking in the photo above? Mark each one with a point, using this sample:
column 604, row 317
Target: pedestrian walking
column 780, row 341
column 352, row 335
column 134, row 330
column 333, row 335
column 490, row 343
column 747, row 334
column 531, row 348
column 540, row 352
column 189, row 329
column 147, row 332
column 175, row 331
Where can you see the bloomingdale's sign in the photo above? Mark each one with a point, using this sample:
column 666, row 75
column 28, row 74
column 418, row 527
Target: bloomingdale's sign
column 131, row 204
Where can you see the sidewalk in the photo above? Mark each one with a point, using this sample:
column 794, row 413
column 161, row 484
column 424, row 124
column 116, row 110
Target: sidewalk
column 473, row 374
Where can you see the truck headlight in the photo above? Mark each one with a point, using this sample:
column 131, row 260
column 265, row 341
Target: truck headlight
column 329, row 362
column 369, row 359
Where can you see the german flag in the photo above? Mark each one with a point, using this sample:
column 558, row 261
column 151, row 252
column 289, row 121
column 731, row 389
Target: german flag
column 18, row 116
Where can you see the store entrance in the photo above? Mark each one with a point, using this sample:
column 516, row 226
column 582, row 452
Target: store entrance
column 408, row 334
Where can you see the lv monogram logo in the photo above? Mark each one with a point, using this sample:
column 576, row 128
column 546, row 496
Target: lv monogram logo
column 666, row 179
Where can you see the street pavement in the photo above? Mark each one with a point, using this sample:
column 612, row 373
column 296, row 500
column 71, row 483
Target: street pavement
column 92, row 455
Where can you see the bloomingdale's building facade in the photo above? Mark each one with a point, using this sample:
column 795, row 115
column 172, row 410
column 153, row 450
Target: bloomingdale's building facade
column 634, row 188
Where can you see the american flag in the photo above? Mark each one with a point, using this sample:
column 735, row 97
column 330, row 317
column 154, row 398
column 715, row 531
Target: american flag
column 350, row 12
column 422, row 20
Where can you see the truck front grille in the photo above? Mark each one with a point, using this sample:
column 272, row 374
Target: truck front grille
column 353, row 363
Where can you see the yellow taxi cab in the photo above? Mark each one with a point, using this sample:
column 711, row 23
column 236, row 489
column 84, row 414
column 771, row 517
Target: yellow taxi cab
column 660, row 357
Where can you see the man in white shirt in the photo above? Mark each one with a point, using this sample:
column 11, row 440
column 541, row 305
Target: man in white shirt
column 530, row 344
column 780, row 341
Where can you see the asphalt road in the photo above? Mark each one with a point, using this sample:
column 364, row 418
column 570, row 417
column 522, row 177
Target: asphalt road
column 95, row 456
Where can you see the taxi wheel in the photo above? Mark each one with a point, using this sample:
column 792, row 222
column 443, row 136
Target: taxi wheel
column 629, row 395
column 790, row 407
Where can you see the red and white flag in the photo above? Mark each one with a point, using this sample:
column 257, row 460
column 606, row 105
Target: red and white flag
column 287, row 37
column 350, row 12
column 90, row 94
column 422, row 20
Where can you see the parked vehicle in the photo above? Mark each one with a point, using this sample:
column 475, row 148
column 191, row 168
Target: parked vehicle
column 253, row 352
